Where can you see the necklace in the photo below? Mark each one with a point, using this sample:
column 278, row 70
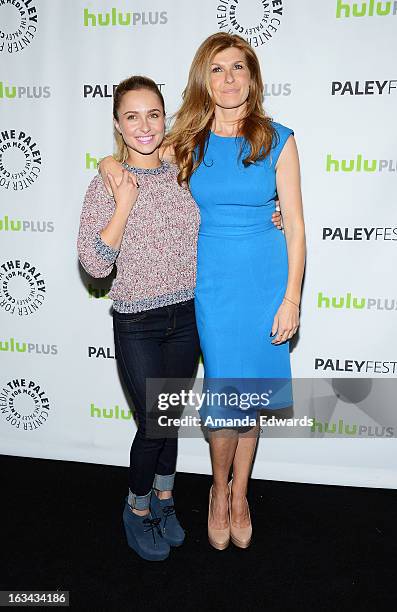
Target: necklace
column 159, row 170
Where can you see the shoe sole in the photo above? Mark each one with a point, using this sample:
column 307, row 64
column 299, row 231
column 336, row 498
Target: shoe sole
column 239, row 543
column 174, row 545
column 132, row 543
column 217, row 545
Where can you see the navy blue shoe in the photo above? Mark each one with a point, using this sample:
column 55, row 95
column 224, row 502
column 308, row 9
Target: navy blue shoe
column 169, row 524
column 144, row 535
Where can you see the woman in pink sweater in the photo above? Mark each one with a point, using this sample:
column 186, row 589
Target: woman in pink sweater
column 149, row 230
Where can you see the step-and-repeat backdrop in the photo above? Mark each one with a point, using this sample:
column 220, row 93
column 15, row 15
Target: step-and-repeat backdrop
column 330, row 74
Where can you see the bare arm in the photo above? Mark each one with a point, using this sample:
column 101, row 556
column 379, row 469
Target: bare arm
column 108, row 165
column 286, row 321
column 289, row 191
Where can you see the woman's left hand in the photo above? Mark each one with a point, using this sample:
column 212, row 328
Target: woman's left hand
column 286, row 322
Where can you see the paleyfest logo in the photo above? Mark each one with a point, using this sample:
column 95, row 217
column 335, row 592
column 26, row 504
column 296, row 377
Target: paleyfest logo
column 20, row 160
column 255, row 20
column 24, row 404
column 21, row 19
column 22, row 287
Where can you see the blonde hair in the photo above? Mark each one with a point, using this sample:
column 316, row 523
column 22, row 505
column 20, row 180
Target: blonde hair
column 192, row 123
column 133, row 83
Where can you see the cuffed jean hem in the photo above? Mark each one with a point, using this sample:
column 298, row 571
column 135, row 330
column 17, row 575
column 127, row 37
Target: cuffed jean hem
column 164, row 483
column 139, row 502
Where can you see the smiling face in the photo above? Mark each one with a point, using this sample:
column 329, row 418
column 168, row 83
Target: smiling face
column 229, row 78
column 141, row 122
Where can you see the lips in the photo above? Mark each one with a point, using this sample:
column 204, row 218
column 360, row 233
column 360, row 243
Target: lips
column 145, row 139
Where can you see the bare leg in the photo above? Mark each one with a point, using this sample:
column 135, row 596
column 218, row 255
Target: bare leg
column 163, row 494
column 242, row 466
column 223, row 444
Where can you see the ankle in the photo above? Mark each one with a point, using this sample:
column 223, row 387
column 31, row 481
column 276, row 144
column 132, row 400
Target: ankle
column 220, row 490
column 140, row 512
column 238, row 492
column 163, row 494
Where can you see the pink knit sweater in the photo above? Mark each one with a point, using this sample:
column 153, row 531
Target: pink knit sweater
column 156, row 262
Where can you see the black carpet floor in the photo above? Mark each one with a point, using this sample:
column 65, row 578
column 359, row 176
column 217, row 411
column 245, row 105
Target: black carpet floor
column 315, row 547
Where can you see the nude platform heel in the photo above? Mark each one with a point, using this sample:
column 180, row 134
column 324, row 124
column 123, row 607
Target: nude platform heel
column 240, row 536
column 218, row 538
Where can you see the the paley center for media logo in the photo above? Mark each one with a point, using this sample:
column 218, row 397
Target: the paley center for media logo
column 24, row 404
column 255, row 20
column 18, row 25
column 20, row 160
column 22, row 287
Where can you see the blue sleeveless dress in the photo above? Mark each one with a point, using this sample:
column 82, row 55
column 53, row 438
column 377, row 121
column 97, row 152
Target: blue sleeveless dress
column 242, row 271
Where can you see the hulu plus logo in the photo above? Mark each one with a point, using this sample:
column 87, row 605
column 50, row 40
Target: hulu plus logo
column 113, row 17
column 18, row 225
column 352, row 302
column 351, row 429
column 365, row 9
column 360, row 164
column 14, row 346
column 110, row 413
column 12, row 91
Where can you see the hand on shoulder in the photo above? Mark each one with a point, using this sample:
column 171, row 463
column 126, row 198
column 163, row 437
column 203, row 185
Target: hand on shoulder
column 167, row 154
column 108, row 165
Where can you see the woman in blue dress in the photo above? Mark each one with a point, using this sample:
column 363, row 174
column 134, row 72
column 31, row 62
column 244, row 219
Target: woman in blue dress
column 237, row 162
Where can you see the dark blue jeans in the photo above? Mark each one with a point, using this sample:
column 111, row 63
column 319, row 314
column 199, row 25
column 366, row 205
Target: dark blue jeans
column 158, row 343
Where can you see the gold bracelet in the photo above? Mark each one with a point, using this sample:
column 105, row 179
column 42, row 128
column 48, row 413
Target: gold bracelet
column 294, row 303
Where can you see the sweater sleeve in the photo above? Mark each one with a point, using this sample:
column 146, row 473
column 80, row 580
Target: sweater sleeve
column 96, row 257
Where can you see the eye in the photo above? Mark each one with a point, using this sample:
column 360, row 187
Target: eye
column 216, row 69
column 238, row 66
column 131, row 116
column 154, row 116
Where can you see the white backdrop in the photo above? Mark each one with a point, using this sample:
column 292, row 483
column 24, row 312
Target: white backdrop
column 330, row 75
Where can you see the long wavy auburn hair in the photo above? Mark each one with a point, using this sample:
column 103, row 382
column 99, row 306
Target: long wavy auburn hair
column 192, row 122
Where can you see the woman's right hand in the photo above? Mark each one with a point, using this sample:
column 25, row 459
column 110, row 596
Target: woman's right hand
column 126, row 192
column 108, row 165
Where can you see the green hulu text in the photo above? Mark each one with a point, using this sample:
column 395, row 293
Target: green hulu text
column 110, row 413
column 365, row 9
column 352, row 302
column 360, row 164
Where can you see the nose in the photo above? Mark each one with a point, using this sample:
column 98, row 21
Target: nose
column 145, row 127
column 229, row 76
